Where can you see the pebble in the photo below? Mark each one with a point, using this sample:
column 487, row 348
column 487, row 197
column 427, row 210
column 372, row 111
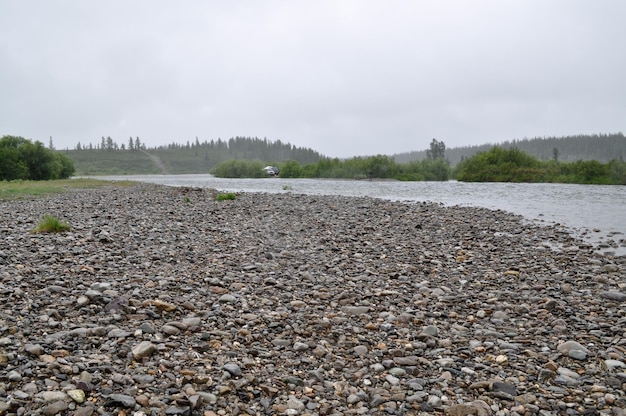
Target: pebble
column 302, row 304
column 573, row 350
column 233, row 369
column 121, row 400
column 143, row 349
column 55, row 408
column 77, row 395
column 14, row 376
column 53, row 396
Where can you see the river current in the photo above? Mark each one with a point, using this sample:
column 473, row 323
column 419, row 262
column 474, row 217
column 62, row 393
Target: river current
column 595, row 213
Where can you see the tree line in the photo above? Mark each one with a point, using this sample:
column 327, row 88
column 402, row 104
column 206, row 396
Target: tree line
column 600, row 147
column 214, row 151
column 434, row 168
column 495, row 165
column 22, row 159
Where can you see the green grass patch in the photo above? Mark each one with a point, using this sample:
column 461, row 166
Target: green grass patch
column 30, row 189
column 226, row 196
column 111, row 162
column 51, row 224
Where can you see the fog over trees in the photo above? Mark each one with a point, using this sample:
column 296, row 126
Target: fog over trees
column 600, row 147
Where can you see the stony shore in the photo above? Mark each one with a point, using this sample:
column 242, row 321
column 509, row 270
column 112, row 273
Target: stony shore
column 164, row 301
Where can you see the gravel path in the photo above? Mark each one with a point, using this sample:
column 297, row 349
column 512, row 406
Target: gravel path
column 164, row 301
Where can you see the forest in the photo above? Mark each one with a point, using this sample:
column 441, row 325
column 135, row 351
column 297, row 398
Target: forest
column 241, row 157
column 109, row 157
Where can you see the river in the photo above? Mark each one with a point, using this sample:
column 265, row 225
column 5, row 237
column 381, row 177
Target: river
column 597, row 214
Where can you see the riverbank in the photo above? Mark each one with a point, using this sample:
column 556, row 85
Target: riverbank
column 165, row 301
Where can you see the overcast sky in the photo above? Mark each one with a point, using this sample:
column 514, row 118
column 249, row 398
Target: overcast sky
column 346, row 78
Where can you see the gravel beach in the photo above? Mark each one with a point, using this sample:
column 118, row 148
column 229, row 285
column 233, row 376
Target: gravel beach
column 165, row 301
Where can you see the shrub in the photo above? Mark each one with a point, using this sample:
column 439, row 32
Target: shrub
column 239, row 169
column 22, row 159
column 226, row 196
column 51, row 224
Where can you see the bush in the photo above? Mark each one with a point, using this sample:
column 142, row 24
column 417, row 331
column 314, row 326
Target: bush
column 51, row 224
column 290, row 169
column 497, row 165
column 23, row 159
column 226, row 196
column 239, row 169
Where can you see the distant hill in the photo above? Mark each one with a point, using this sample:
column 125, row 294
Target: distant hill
column 111, row 158
column 600, row 147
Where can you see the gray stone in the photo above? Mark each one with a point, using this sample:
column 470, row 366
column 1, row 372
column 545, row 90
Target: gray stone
column 408, row 360
column 568, row 346
column 233, row 369
column 14, row 376
column 34, row 349
column 613, row 295
column 356, row 310
column 122, row 400
column 506, row 388
column 119, row 333
column 147, row 328
column 170, row 330
column 53, row 396
column 227, row 298
column 300, row 346
column 143, row 349
column 55, row 408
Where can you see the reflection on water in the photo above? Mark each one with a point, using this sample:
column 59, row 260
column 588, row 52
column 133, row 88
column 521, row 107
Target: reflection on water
column 597, row 213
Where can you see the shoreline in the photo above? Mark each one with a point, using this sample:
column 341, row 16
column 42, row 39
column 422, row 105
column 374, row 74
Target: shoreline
column 597, row 224
column 163, row 300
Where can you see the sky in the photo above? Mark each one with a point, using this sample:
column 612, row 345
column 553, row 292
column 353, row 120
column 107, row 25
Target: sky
column 343, row 77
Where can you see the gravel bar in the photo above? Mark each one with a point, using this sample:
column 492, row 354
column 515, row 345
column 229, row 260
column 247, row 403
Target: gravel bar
column 166, row 301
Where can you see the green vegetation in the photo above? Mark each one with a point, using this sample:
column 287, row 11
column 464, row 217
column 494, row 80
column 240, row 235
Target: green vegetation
column 435, row 168
column 51, row 224
column 226, row 196
column 110, row 158
column 245, row 157
column 513, row 165
column 19, row 189
column 91, row 163
column 374, row 167
column 22, row 159
column 239, row 169
column 600, row 147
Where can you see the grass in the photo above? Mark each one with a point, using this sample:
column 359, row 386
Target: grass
column 51, row 224
column 115, row 162
column 226, row 196
column 124, row 162
column 31, row 189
